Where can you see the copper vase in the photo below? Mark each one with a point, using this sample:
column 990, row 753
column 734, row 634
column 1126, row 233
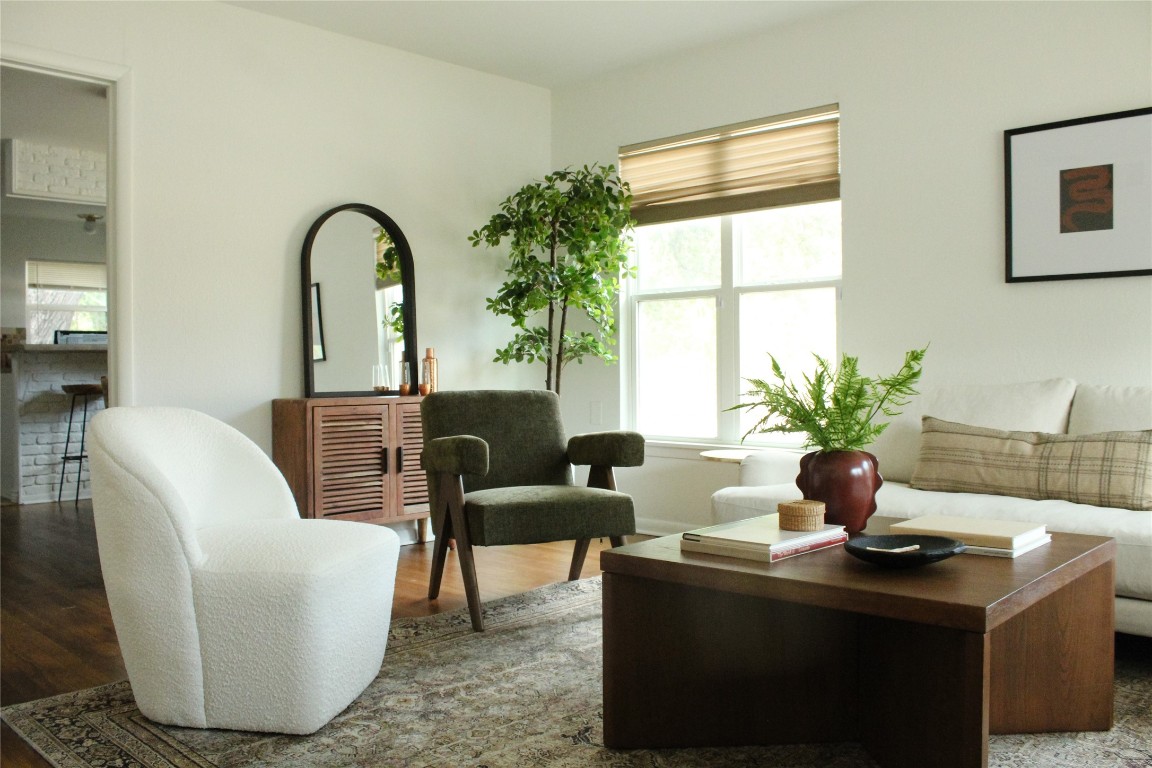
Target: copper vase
column 846, row 481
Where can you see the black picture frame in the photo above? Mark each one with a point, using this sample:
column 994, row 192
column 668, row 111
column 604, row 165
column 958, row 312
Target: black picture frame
column 1078, row 198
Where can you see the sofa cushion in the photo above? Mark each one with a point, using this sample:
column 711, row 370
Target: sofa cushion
column 1036, row 406
column 1109, row 409
column 1109, row 469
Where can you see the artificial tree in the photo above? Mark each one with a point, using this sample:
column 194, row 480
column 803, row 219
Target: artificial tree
column 569, row 241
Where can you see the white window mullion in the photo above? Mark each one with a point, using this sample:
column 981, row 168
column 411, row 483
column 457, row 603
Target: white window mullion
column 728, row 334
column 627, row 336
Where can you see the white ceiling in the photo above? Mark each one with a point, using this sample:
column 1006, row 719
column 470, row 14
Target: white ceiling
column 545, row 42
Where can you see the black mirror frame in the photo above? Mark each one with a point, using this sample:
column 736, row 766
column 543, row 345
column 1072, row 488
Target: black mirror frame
column 407, row 280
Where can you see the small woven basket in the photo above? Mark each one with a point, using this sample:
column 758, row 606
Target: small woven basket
column 802, row 515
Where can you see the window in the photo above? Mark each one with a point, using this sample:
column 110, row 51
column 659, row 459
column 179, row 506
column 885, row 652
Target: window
column 65, row 296
column 729, row 271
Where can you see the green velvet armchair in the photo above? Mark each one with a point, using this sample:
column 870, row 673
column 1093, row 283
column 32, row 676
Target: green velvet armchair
column 500, row 472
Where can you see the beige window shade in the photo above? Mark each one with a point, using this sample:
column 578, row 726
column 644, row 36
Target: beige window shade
column 784, row 160
column 67, row 275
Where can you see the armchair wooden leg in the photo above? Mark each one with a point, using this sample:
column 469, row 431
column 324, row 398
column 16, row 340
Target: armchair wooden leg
column 452, row 489
column 578, row 555
column 471, row 588
column 439, row 555
column 601, row 476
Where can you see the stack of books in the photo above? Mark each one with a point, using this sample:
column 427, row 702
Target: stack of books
column 998, row 538
column 760, row 538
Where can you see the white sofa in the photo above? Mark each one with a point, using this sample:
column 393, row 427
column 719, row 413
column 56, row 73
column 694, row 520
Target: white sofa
column 1057, row 406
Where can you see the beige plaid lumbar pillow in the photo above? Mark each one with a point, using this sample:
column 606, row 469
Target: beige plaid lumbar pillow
column 1109, row 469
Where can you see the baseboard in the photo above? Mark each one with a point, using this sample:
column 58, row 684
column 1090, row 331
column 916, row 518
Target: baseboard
column 45, row 494
column 660, row 527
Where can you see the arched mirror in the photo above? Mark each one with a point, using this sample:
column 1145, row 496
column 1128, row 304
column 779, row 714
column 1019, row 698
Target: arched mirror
column 359, row 302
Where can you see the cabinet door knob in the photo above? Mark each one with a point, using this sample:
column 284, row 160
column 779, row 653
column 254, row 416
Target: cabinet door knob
column 400, row 460
column 384, row 460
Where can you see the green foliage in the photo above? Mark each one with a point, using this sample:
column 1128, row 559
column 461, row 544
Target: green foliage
column 837, row 410
column 395, row 318
column 387, row 259
column 388, row 273
column 569, row 238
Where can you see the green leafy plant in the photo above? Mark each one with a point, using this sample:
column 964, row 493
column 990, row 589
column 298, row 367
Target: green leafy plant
column 387, row 258
column 837, row 410
column 569, row 240
column 388, row 273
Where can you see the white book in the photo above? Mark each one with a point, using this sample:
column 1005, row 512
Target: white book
column 758, row 534
column 1001, row 552
column 762, row 554
column 975, row 531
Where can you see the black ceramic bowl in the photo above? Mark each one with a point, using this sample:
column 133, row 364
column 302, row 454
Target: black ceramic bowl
column 874, row 549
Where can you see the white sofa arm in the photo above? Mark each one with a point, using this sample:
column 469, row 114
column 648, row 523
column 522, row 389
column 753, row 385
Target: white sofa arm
column 770, row 467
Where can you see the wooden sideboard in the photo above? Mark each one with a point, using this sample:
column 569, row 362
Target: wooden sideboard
column 353, row 458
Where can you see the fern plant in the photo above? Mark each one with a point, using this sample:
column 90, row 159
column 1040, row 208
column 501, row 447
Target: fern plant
column 838, row 410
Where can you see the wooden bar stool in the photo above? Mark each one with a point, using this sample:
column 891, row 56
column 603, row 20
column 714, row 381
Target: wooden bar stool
column 84, row 391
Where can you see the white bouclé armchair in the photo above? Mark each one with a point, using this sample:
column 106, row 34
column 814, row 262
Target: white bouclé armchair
column 231, row 611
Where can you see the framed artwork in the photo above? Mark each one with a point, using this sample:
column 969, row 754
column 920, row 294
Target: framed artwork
column 317, row 326
column 1078, row 198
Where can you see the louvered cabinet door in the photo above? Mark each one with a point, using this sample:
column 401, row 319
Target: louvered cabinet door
column 411, row 480
column 353, row 458
column 351, row 479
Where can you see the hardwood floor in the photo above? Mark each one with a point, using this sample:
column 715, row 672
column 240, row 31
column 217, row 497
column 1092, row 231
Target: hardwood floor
column 56, row 632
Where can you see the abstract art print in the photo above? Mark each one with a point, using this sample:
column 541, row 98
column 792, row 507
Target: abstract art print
column 1078, row 198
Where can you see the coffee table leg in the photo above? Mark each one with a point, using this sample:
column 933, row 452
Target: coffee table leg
column 1053, row 664
column 924, row 694
column 687, row 666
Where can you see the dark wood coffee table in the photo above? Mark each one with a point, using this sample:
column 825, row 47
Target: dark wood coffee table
column 918, row 665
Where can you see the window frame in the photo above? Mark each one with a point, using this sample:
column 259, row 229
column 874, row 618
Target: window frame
column 727, row 295
column 785, row 161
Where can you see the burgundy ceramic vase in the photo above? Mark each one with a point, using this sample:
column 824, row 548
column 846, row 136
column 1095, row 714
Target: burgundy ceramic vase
column 846, row 481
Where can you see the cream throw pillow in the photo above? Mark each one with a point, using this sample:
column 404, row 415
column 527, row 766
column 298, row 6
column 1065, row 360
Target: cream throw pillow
column 1109, row 469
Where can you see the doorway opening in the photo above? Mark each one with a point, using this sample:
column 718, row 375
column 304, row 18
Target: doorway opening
column 57, row 165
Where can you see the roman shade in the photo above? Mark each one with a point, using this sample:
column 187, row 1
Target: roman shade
column 784, row 160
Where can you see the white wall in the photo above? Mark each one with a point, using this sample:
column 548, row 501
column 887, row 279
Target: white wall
column 926, row 90
column 244, row 128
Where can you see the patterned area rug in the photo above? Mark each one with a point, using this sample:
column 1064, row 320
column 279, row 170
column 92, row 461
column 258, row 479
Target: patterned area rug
column 524, row 693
